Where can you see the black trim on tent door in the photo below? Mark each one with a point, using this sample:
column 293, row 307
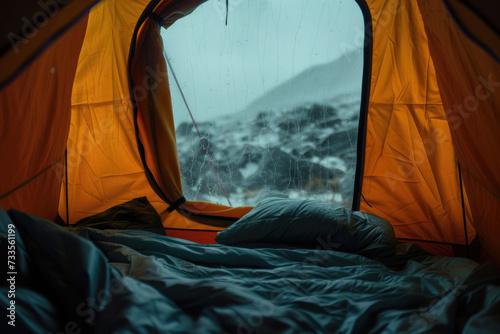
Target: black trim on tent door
column 149, row 175
column 208, row 220
column 365, row 97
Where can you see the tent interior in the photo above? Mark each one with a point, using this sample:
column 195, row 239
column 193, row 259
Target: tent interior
column 172, row 128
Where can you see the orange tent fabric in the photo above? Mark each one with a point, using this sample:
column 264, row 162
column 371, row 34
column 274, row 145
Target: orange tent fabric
column 34, row 122
column 104, row 168
column 469, row 82
column 410, row 174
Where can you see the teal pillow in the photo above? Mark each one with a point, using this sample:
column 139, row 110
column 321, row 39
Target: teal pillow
column 310, row 223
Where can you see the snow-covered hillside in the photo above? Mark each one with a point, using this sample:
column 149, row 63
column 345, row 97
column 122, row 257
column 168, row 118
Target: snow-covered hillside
column 297, row 140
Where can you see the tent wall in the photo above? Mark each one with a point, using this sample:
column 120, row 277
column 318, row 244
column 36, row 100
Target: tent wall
column 410, row 174
column 104, row 167
column 34, row 122
column 469, row 81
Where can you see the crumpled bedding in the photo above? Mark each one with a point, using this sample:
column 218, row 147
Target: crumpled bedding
column 87, row 280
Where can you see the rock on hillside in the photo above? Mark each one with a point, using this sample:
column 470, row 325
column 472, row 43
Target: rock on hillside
column 306, row 151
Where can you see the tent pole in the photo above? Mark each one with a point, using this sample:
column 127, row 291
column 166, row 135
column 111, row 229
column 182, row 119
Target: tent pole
column 66, row 183
column 463, row 209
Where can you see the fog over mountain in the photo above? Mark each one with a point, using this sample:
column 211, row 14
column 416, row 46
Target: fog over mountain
column 337, row 83
column 223, row 69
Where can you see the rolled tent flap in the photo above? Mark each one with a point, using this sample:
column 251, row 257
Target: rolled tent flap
column 34, row 122
column 469, row 81
column 155, row 120
column 156, row 129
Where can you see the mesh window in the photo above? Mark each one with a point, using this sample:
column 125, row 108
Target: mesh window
column 275, row 95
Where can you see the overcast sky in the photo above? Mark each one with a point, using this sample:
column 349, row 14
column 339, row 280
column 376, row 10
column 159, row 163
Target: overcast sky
column 222, row 69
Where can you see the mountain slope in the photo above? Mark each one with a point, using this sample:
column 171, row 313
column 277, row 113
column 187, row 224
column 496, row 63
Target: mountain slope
column 337, row 83
column 297, row 140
